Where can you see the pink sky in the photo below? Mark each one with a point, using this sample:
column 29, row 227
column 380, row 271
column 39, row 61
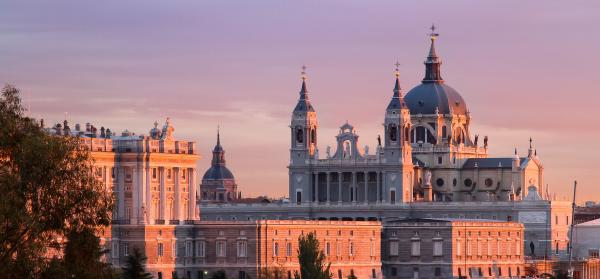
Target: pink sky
column 524, row 68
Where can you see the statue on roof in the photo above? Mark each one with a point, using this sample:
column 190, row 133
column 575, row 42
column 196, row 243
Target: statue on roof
column 167, row 130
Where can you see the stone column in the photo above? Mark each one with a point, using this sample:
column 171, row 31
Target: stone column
column 384, row 190
column 328, row 188
column 366, row 187
column 340, row 177
column 163, row 195
column 354, row 187
column 176, row 200
column 135, row 195
column 192, row 206
column 316, row 187
column 121, row 189
column 378, row 188
column 149, row 208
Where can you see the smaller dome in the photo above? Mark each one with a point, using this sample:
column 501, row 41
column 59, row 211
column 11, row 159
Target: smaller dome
column 218, row 173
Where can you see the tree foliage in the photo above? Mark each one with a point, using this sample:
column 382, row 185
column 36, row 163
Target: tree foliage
column 274, row 272
column 311, row 259
column 48, row 190
column 219, row 274
column 135, row 266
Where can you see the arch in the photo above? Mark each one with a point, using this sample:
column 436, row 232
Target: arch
column 459, row 135
column 393, row 132
column 313, row 135
column 299, row 135
column 423, row 134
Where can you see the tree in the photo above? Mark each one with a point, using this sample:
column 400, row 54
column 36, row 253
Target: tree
column 531, row 270
column 220, row 274
column 135, row 266
column 274, row 272
column 352, row 276
column 82, row 256
column 48, row 189
column 312, row 259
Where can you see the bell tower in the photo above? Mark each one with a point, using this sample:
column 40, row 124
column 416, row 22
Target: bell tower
column 397, row 151
column 303, row 127
column 303, row 145
column 397, row 148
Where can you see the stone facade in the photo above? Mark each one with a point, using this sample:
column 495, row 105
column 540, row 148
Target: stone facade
column 242, row 248
column 450, row 248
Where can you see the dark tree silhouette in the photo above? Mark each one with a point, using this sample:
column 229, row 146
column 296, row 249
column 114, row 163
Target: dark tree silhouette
column 312, row 259
column 135, row 266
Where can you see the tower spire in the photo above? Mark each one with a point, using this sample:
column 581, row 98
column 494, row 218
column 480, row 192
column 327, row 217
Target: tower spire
column 397, row 101
column 433, row 62
column 303, row 102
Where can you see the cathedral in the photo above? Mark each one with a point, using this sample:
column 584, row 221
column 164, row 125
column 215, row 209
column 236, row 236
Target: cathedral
column 427, row 153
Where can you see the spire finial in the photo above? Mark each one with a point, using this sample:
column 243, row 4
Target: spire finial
column 303, row 73
column 433, row 35
column 530, row 142
column 397, row 72
column 218, row 134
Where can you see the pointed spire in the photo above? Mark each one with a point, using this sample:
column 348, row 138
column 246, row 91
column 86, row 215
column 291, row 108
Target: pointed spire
column 304, row 102
column 530, row 151
column 397, row 101
column 218, row 152
column 433, row 63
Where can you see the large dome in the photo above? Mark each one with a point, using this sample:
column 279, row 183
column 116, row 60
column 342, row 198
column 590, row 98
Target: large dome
column 426, row 97
column 217, row 173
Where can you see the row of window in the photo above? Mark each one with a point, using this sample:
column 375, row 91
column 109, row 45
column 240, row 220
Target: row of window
column 220, row 248
column 512, row 247
column 415, row 251
column 327, row 249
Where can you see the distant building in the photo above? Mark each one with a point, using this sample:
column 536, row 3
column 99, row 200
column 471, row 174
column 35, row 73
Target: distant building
column 586, row 213
column 452, row 248
column 218, row 182
column 586, row 243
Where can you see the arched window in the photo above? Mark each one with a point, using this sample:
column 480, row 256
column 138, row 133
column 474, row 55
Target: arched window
column 299, row 135
column 444, row 132
column 406, row 133
column 313, row 135
column 421, row 134
column 393, row 132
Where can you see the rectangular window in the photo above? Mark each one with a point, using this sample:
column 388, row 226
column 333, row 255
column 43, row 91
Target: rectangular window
column 498, row 247
column 437, row 272
column 221, row 251
column 174, row 249
column 115, row 251
column 275, row 249
column 183, row 174
column 469, row 248
column 160, row 250
column 288, row 250
column 241, row 249
column 339, row 249
column 327, row 249
column 458, row 248
column 438, row 248
column 394, row 271
column 416, row 248
column 351, row 249
column 125, row 249
column 479, row 248
column 113, row 173
column 153, row 173
column 169, row 173
column 201, row 249
column 508, row 248
column 188, row 249
column 393, row 248
column 518, row 248
column 489, row 247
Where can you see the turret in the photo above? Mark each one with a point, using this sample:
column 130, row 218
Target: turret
column 397, row 127
column 303, row 127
